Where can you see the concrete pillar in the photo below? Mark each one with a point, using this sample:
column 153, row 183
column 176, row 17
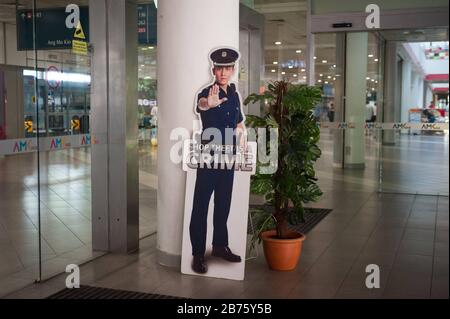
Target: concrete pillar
column 339, row 96
column 310, row 48
column 429, row 95
column 187, row 31
column 420, row 83
column 417, row 90
column 391, row 90
column 114, row 162
column 407, row 85
column 355, row 105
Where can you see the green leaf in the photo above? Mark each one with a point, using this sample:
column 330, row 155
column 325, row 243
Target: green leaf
column 290, row 111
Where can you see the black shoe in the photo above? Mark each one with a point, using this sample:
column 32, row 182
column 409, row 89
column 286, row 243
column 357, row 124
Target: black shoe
column 199, row 264
column 225, row 253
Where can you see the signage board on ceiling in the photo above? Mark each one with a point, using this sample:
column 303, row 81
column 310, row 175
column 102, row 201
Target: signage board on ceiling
column 53, row 33
column 146, row 24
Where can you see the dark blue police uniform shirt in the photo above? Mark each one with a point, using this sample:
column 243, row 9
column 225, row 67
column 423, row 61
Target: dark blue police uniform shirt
column 226, row 115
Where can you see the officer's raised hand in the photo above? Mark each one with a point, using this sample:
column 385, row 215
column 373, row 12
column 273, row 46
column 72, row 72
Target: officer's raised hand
column 213, row 97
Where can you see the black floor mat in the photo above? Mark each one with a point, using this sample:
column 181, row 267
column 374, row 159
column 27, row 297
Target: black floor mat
column 312, row 217
column 88, row 292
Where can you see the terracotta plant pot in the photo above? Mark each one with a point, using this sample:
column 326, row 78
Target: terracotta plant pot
column 282, row 254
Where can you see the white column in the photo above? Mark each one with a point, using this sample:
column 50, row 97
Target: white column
column 339, row 91
column 391, row 90
column 407, row 85
column 310, row 46
column 355, row 106
column 416, row 93
column 420, row 83
column 429, row 95
column 187, row 31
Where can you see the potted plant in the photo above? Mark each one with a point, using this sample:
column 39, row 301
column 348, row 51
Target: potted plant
column 293, row 182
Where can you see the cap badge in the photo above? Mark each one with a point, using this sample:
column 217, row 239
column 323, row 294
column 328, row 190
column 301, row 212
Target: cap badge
column 224, row 54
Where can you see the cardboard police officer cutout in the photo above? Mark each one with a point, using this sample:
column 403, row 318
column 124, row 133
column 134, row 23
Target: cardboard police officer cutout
column 218, row 161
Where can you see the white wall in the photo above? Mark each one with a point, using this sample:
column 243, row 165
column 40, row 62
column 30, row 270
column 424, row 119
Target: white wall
column 415, row 68
column 415, row 51
column 436, row 66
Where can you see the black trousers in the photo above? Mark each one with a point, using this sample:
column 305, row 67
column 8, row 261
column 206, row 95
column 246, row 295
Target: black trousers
column 219, row 181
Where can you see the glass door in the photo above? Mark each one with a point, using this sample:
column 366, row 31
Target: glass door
column 391, row 117
column 347, row 66
column 61, row 54
column 414, row 157
column 20, row 107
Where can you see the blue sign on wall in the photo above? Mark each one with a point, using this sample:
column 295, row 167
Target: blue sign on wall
column 52, row 33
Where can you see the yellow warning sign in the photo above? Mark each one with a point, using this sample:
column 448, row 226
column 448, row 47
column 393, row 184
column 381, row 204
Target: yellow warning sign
column 79, row 34
column 75, row 125
column 29, row 126
column 79, row 47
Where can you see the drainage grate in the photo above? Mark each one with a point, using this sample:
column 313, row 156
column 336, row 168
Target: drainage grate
column 88, row 292
column 312, row 217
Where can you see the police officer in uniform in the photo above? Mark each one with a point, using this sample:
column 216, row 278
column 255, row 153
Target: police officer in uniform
column 219, row 107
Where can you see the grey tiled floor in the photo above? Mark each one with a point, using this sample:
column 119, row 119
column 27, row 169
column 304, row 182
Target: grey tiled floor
column 65, row 213
column 405, row 235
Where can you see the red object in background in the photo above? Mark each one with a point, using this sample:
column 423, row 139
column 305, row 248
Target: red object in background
column 2, row 133
column 436, row 77
column 442, row 112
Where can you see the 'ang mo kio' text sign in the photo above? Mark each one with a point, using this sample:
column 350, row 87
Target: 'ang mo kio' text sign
column 55, row 27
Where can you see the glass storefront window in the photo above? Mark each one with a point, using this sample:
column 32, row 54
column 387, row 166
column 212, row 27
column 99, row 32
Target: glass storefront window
column 63, row 98
column 147, row 105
